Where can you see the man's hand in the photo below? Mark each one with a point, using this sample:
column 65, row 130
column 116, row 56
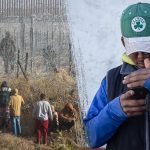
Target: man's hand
column 130, row 106
column 137, row 78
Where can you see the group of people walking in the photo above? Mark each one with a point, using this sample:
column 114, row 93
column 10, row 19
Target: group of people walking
column 45, row 115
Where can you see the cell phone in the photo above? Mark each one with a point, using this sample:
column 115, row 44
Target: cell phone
column 139, row 93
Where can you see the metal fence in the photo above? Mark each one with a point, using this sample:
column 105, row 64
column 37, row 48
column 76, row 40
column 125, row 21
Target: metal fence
column 9, row 8
column 39, row 28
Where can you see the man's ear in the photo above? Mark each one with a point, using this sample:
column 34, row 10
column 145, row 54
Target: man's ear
column 122, row 40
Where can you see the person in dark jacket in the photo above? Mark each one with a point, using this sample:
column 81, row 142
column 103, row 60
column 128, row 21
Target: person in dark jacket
column 7, row 52
column 116, row 117
column 5, row 92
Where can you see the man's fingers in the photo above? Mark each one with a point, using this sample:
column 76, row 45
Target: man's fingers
column 141, row 74
column 135, row 78
column 135, row 103
column 127, row 94
column 136, row 84
column 138, row 72
column 147, row 63
column 134, row 109
column 135, row 114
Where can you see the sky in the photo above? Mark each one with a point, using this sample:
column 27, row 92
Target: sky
column 95, row 34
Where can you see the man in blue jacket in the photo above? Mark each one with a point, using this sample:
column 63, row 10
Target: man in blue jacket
column 115, row 117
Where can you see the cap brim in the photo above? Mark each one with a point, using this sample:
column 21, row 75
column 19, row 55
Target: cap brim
column 137, row 44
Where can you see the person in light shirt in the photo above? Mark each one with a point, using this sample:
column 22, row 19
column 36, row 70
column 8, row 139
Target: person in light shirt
column 42, row 113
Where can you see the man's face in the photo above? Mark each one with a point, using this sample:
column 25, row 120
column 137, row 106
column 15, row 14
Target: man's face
column 138, row 58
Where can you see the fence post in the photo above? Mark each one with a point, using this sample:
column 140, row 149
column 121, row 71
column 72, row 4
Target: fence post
column 26, row 63
column 17, row 63
column 31, row 43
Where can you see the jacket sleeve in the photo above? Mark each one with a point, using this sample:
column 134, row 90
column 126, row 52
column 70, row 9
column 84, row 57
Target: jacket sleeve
column 103, row 118
column 147, row 84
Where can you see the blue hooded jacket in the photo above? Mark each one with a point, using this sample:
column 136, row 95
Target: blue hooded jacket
column 104, row 117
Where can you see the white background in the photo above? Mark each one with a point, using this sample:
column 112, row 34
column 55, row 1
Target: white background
column 95, row 31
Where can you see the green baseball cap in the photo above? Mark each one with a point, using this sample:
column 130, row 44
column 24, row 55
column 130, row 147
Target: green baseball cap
column 135, row 20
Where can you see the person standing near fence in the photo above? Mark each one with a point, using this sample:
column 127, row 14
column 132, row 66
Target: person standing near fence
column 7, row 52
column 42, row 112
column 15, row 104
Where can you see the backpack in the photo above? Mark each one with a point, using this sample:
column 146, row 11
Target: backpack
column 4, row 96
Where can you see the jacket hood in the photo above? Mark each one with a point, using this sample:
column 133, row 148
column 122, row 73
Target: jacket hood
column 15, row 92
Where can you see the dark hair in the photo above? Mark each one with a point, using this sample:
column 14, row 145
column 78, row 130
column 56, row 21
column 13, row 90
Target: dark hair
column 4, row 84
column 13, row 92
column 42, row 96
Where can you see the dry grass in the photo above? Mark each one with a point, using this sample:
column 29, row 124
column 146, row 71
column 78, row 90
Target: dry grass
column 58, row 86
column 61, row 88
column 10, row 142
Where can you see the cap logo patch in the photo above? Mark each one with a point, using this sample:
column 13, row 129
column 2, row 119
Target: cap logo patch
column 138, row 24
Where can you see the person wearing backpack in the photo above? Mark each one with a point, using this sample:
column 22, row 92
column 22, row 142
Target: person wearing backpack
column 5, row 92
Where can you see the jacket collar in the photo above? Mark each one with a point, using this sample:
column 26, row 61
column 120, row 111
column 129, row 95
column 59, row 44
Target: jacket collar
column 127, row 68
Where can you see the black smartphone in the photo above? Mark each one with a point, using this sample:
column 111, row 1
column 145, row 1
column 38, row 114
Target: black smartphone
column 139, row 93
